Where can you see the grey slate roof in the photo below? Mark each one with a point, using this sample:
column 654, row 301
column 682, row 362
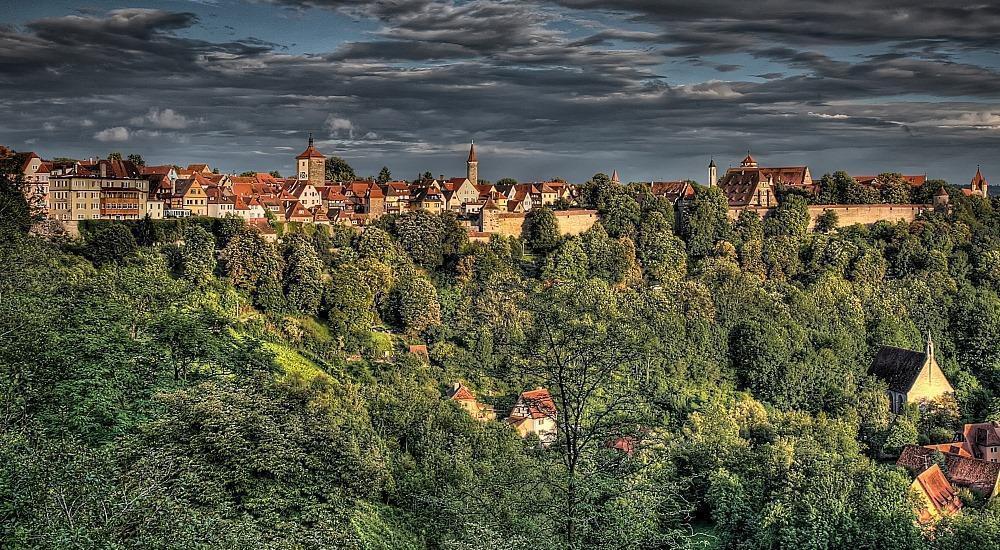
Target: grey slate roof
column 899, row 367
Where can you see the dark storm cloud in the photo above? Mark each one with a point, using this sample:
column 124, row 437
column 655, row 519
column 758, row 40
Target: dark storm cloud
column 537, row 84
column 816, row 21
column 139, row 40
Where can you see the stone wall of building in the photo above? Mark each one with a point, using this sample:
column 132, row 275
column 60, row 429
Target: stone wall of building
column 850, row 214
column 929, row 385
column 574, row 222
column 571, row 222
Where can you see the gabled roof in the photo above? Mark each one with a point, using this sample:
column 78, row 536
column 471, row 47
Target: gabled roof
column 671, row 190
column 217, row 195
column 459, row 392
column 28, row 157
column 264, row 227
column 898, row 367
column 159, row 184
column 950, row 448
column 264, row 177
column 939, row 492
column 973, row 473
column 536, row 403
column 163, row 169
column 984, row 434
column 296, row 210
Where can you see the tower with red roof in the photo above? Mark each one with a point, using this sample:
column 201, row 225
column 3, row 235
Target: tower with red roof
column 311, row 165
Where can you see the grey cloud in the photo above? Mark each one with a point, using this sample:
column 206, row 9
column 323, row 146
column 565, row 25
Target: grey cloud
column 508, row 74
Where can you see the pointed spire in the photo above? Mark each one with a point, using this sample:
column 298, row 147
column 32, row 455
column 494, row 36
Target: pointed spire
column 979, row 183
column 711, row 163
column 614, row 177
column 472, row 152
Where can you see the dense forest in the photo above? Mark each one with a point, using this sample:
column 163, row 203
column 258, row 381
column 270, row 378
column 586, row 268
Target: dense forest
column 188, row 384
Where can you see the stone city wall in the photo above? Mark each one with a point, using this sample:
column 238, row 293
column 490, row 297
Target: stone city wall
column 850, row 214
column 571, row 222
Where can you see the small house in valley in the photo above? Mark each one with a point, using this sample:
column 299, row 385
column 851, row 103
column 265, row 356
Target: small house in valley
column 535, row 413
column 912, row 376
column 936, row 496
column 464, row 397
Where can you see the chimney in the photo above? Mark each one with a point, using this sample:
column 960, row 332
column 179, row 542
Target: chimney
column 104, row 169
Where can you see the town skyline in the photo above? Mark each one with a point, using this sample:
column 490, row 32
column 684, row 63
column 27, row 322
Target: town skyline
column 547, row 89
column 444, row 173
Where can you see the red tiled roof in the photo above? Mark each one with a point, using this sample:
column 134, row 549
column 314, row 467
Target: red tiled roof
column 297, row 211
column 942, row 495
column 537, row 403
column 671, row 190
column 744, row 175
column 978, row 179
column 161, row 170
column 950, row 448
column 978, row 475
column 310, row 153
column 264, row 227
column 461, row 393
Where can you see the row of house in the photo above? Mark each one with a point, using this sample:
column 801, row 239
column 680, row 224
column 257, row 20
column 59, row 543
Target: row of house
column 121, row 190
column 750, row 185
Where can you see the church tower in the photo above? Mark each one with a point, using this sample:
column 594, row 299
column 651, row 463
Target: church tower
column 713, row 173
column 979, row 184
column 472, row 165
column 310, row 165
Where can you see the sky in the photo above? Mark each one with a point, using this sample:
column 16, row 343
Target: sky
column 546, row 88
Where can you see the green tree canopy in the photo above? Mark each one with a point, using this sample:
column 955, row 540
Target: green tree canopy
column 541, row 230
column 337, row 169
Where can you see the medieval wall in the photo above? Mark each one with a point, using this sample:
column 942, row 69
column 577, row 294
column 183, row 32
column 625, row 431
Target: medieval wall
column 850, row 214
column 574, row 222
column 571, row 222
